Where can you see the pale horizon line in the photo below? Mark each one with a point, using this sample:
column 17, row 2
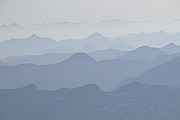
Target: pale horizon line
column 91, row 22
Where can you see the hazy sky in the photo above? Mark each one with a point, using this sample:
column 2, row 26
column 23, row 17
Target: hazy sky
column 40, row 11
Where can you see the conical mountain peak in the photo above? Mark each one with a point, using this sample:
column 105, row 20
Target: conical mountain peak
column 81, row 57
column 30, row 87
column 171, row 45
column 95, row 35
column 34, row 36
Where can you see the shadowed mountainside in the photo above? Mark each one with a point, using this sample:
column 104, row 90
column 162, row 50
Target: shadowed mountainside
column 165, row 74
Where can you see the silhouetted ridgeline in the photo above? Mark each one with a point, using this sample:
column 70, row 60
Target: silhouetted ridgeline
column 134, row 101
column 35, row 45
column 79, row 69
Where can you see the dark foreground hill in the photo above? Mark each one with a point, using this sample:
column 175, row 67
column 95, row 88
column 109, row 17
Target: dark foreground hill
column 134, row 101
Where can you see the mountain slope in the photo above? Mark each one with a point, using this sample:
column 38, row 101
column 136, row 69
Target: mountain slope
column 143, row 53
column 171, row 48
column 164, row 58
column 165, row 74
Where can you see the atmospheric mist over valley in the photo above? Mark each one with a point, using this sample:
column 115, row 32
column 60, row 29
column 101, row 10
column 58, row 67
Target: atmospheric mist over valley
column 90, row 60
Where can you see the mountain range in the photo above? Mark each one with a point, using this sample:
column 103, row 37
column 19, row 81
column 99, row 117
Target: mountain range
column 79, row 69
column 35, row 45
column 154, row 39
column 156, row 55
column 89, row 72
column 52, row 58
column 68, row 30
column 26, row 46
column 72, row 77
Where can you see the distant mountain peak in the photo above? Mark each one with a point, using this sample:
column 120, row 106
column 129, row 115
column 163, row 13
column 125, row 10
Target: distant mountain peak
column 135, row 84
column 89, row 87
column 13, row 24
column 30, row 87
column 111, row 21
column 171, row 44
column 144, row 47
column 143, row 53
column 95, row 35
column 34, row 36
column 159, row 33
column 162, row 32
column 81, row 57
column 171, row 48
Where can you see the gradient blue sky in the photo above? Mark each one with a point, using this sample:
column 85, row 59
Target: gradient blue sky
column 40, row 11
